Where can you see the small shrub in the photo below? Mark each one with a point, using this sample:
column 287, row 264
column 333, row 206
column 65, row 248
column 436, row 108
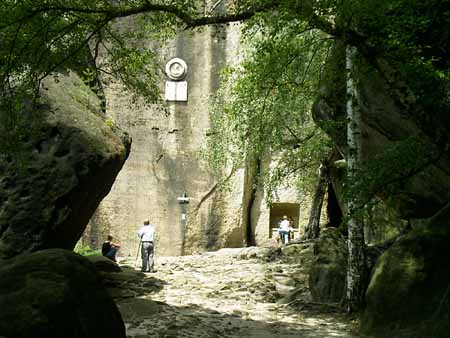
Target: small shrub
column 86, row 250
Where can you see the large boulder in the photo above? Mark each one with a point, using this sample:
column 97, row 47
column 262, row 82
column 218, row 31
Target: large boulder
column 409, row 293
column 69, row 164
column 55, row 293
column 327, row 277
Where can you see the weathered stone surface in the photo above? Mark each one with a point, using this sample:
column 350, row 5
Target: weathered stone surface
column 408, row 269
column 104, row 264
column 232, row 293
column 72, row 162
column 409, row 294
column 55, row 293
column 388, row 116
column 327, row 277
column 165, row 163
column 128, row 283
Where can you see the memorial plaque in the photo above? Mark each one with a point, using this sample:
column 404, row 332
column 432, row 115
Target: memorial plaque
column 176, row 91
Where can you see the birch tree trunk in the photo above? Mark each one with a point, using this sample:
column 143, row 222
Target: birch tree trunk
column 356, row 246
column 313, row 228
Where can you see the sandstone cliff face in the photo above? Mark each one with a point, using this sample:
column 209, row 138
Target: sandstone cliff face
column 164, row 163
column 389, row 117
column 408, row 295
column 408, row 292
column 71, row 164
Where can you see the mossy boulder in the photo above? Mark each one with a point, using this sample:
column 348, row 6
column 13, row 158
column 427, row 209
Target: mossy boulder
column 327, row 277
column 55, row 293
column 68, row 164
column 409, row 293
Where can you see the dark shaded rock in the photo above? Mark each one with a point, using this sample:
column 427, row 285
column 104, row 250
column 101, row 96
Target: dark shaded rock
column 128, row 282
column 104, row 264
column 409, row 293
column 374, row 251
column 138, row 309
column 390, row 120
column 55, row 293
column 70, row 164
column 327, row 277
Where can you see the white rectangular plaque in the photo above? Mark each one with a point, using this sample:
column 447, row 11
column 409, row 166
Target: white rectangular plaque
column 176, row 91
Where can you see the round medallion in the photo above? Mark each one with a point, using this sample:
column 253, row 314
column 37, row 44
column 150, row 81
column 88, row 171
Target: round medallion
column 176, row 69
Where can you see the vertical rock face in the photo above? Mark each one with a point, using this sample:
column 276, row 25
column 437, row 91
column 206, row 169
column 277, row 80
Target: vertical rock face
column 70, row 164
column 409, row 294
column 164, row 163
column 388, row 121
column 327, row 278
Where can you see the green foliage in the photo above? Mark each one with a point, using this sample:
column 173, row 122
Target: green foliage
column 387, row 173
column 110, row 123
column 265, row 108
column 86, row 250
column 41, row 37
column 18, row 123
column 265, row 105
column 413, row 35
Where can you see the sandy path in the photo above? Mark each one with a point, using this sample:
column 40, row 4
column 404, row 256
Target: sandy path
column 231, row 293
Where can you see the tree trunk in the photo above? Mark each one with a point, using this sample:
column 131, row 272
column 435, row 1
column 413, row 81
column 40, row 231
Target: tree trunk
column 313, row 228
column 356, row 246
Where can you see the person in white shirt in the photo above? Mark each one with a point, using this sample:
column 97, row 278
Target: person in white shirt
column 284, row 230
column 147, row 235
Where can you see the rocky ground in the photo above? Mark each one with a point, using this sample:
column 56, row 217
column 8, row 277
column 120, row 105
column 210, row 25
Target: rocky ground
column 247, row 292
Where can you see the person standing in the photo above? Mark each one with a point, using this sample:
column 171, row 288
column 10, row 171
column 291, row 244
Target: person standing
column 284, row 230
column 147, row 235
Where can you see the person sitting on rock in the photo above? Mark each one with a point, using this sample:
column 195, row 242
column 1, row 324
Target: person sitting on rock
column 109, row 249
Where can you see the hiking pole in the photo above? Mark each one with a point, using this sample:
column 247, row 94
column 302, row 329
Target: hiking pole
column 137, row 254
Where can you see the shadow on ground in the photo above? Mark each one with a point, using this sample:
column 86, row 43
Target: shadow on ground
column 129, row 283
column 147, row 318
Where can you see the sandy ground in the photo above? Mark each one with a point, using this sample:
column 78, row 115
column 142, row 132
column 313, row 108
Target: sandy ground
column 231, row 293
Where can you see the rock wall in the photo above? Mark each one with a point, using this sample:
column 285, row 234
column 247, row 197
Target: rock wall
column 388, row 120
column 164, row 163
column 69, row 163
column 409, row 285
column 55, row 293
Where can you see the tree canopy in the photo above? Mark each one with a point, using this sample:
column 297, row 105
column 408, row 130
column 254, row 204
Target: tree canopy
column 39, row 37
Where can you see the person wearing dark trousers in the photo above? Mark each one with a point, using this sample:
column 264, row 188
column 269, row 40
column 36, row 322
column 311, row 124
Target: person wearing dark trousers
column 147, row 235
column 109, row 249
